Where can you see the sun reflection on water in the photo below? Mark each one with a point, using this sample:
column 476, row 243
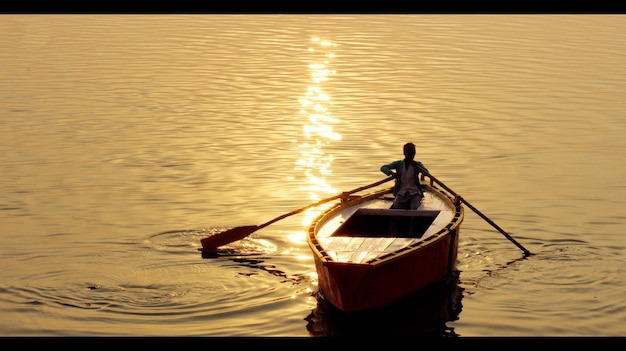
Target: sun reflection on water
column 317, row 129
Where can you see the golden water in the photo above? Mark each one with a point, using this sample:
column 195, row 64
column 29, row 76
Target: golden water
column 127, row 138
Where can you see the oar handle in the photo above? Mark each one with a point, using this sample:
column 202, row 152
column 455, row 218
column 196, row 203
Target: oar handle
column 426, row 173
column 338, row 196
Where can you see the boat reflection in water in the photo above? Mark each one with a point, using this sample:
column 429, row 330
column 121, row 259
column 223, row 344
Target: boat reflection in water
column 422, row 314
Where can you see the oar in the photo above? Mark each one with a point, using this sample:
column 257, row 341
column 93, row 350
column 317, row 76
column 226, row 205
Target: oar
column 526, row 252
column 231, row 235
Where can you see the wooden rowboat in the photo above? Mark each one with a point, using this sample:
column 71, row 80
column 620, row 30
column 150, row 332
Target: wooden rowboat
column 364, row 254
column 365, row 258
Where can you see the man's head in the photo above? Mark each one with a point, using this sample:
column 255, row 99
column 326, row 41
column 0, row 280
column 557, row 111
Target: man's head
column 409, row 151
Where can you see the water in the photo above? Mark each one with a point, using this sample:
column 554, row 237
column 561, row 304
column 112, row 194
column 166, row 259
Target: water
column 128, row 138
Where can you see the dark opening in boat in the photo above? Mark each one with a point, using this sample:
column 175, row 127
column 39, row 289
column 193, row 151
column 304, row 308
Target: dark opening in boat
column 371, row 222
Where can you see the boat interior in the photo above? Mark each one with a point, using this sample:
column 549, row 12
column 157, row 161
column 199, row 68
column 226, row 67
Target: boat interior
column 378, row 222
column 378, row 230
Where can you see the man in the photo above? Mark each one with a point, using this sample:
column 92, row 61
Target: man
column 407, row 191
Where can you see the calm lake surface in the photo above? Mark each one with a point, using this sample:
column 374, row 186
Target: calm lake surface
column 126, row 139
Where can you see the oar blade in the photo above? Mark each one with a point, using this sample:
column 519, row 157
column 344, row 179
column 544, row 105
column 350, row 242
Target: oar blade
column 226, row 237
